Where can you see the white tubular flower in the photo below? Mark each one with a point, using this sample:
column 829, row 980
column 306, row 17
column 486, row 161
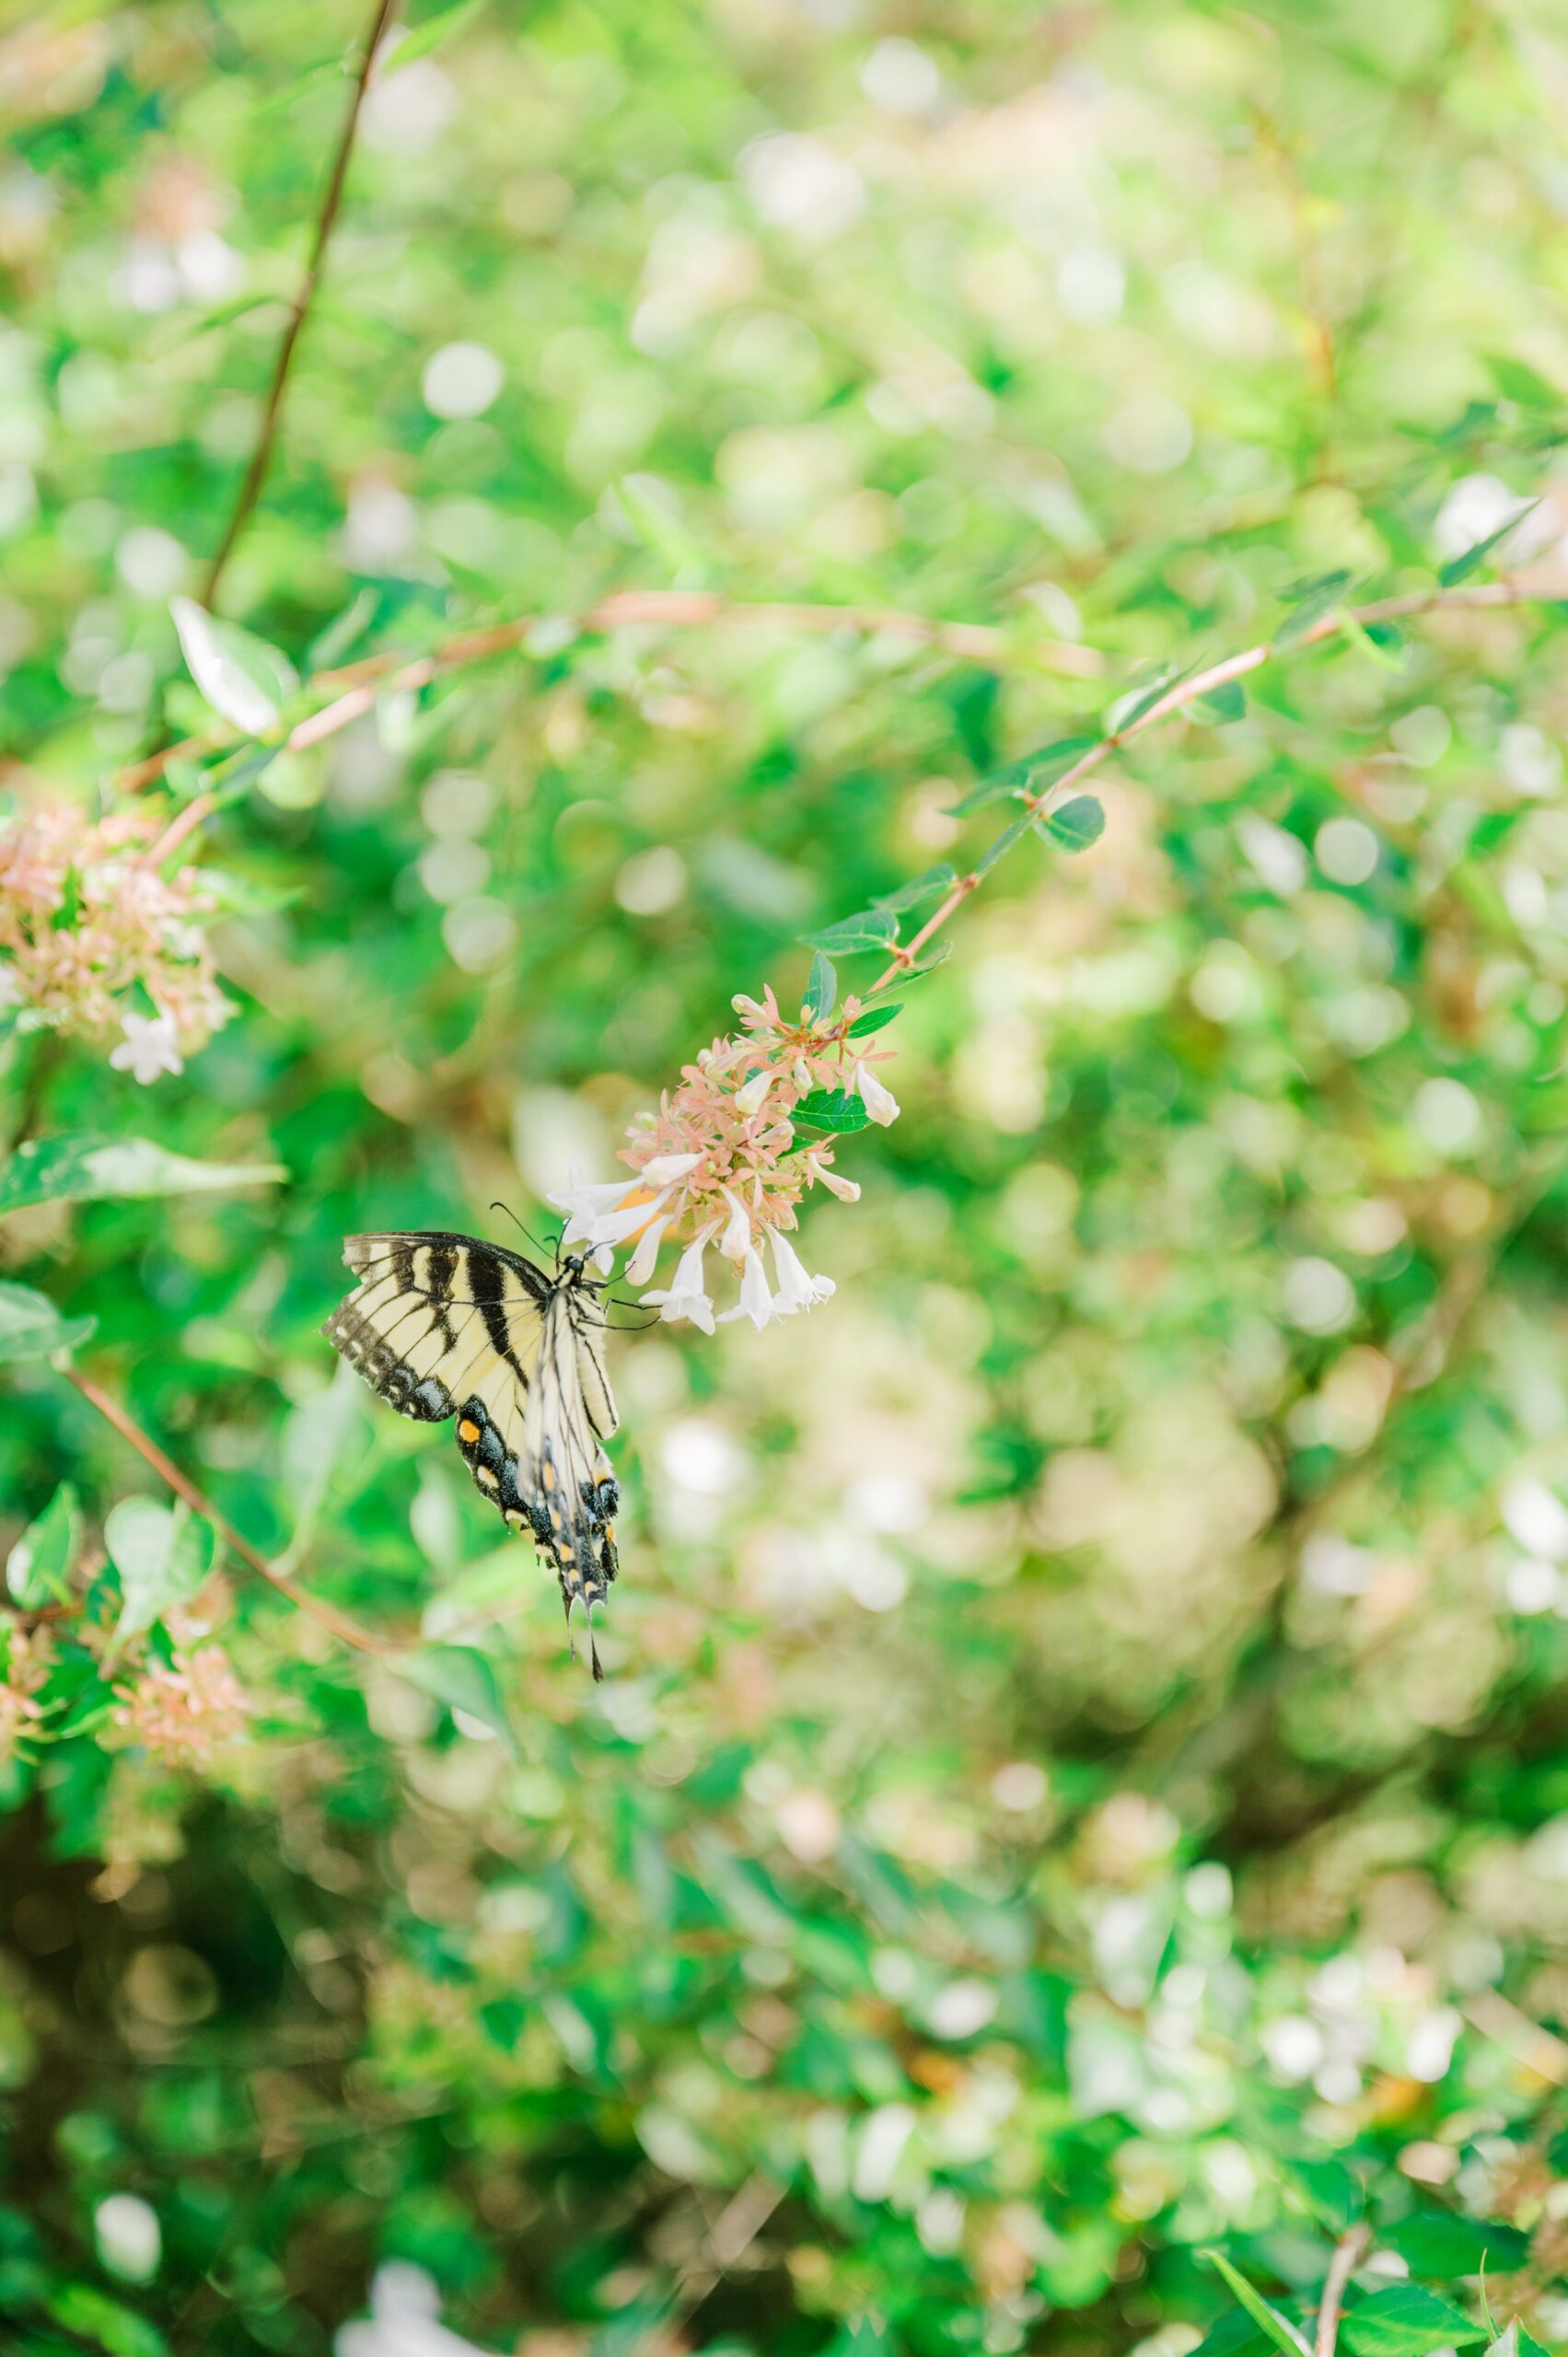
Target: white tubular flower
column 639, row 1267
column 735, row 1241
column 846, row 1190
column 404, row 2319
column 666, row 1169
column 750, row 1099
column 611, row 1213
column 802, row 1074
column 150, row 1046
column 797, row 1288
column 879, row 1102
column 756, row 1301
column 686, row 1297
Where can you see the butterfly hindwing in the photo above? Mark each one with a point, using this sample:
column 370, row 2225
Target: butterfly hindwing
column 444, row 1326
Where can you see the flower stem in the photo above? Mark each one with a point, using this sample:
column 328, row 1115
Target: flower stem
column 1182, row 694
column 353, row 687
column 1347, row 2252
column 260, row 457
column 364, row 1639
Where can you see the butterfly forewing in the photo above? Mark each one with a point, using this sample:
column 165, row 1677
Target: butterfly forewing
column 445, row 1326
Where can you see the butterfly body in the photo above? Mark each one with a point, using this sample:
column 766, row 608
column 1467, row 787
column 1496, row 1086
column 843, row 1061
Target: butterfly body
column 445, row 1326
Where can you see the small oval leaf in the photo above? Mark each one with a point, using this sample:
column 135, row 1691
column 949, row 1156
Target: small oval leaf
column 869, row 929
column 1078, row 824
column 38, row 1570
column 32, row 1328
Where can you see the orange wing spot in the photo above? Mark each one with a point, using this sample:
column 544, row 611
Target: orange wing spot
column 548, row 1475
column 468, row 1431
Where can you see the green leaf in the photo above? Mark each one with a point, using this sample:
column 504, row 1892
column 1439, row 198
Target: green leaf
column 1442, row 2243
column 1235, row 2335
column 431, row 34
column 1077, row 825
column 873, row 1020
column 1387, row 652
column 465, row 1680
column 241, row 675
column 163, row 1555
column 32, row 1328
column 1459, row 568
column 1031, row 773
column 331, row 645
column 1003, row 843
column 870, row 929
column 1309, row 602
column 106, row 2324
column 1223, row 704
column 1331, row 2192
column 231, row 780
column 830, row 1108
column 1517, row 381
column 98, row 1700
column 38, row 1570
column 930, row 887
column 1269, row 2320
column 316, row 1442
column 821, row 991
column 1129, row 709
column 80, row 1167
column 648, row 506
column 1406, row 2320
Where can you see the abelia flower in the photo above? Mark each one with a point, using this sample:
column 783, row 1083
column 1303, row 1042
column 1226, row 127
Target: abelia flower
column 797, row 1288
column 756, row 1302
column 686, row 1297
column 88, row 916
column 878, row 1101
column 182, row 1709
column 148, row 1048
column 721, row 1163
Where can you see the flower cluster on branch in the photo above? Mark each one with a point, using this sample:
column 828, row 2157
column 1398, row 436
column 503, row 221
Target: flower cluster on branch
column 182, row 1709
column 89, row 920
column 723, row 1163
column 26, row 1658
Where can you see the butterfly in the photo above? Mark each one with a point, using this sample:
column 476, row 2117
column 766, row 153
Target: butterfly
column 445, row 1326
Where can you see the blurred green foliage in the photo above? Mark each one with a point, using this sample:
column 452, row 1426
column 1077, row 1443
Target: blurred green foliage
column 1081, row 1784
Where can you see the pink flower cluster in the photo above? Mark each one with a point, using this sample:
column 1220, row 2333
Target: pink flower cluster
column 721, row 1164
column 181, row 1710
column 28, row 1655
column 85, row 913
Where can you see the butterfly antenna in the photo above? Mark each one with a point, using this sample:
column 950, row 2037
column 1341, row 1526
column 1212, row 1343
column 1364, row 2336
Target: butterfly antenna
column 526, row 1231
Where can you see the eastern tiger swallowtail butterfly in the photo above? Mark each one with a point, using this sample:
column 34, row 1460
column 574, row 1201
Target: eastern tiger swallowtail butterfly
column 446, row 1326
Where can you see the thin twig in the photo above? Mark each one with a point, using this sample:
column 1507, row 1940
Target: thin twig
column 1184, row 692
column 728, row 2239
column 1540, row 2051
column 353, row 687
column 352, row 1633
column 260, row 457
column 1347, row 2252
column 185, row 822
